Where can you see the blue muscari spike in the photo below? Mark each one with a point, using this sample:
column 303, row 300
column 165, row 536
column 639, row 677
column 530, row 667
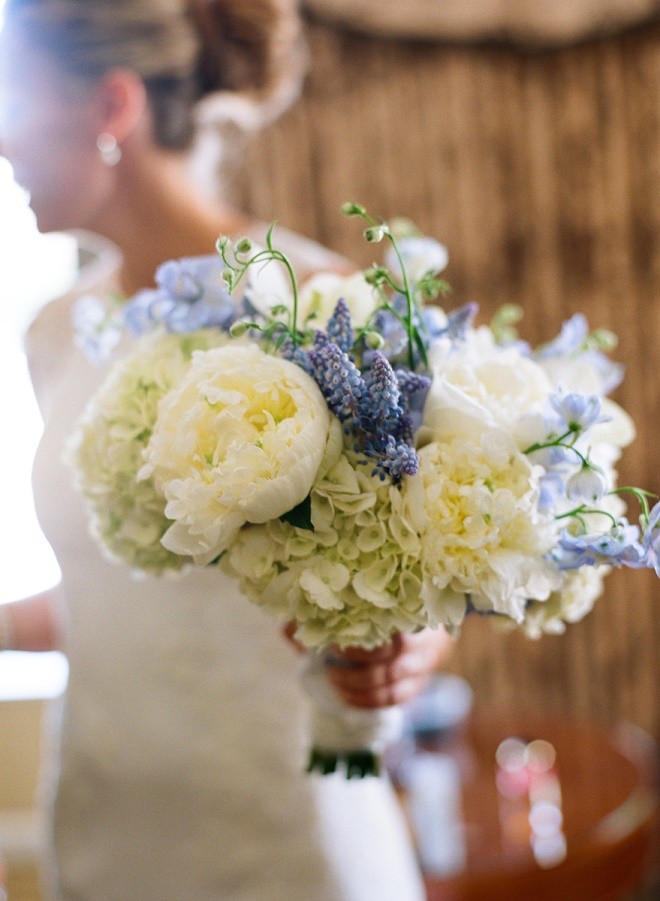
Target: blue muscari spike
column 295, row 355
column 400, row 459
column 339, row 329
column 406, row 430
column 369, row 406
column 411, row 382
column 338, row 378
column 381, row 403
column 414, row 389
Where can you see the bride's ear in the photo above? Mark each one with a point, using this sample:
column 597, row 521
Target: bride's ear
column 121, row 103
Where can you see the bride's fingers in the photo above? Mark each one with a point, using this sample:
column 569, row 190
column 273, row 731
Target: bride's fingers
column 436, row 642
column 391, row 674
column 288, row 630
column 387, row 696
column 368, row 676
column 354, row 655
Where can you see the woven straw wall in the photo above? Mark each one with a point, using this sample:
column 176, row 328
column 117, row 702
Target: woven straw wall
column 540, row 173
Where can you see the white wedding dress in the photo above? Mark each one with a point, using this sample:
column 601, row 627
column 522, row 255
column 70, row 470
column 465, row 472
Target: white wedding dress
column 178, row 750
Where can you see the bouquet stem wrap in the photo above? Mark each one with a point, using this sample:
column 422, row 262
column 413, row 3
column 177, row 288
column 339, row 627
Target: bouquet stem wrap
column 345, row 737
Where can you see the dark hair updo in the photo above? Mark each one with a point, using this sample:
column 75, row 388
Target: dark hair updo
column 185, row 51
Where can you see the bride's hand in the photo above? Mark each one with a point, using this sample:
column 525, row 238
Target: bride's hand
column 391, row 674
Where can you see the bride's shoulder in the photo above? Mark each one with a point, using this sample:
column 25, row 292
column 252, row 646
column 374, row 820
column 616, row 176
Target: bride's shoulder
column 49, row 335
column 306, row 255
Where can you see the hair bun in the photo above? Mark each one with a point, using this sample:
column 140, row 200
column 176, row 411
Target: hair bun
column 251, row 46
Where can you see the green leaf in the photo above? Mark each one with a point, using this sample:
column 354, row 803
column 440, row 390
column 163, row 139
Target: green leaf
column 301, row 515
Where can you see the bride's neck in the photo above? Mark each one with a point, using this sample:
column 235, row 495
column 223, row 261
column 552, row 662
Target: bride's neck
column 156, row 215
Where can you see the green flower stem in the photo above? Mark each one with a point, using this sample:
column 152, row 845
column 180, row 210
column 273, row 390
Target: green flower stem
column 557, row 442
column 269, row 254
column 282, row 258
column 642, row 496
column 405, row 289
column 583, row 510
column 561, row 442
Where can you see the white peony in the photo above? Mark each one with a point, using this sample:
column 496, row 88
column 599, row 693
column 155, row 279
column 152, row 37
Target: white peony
column 239, row 440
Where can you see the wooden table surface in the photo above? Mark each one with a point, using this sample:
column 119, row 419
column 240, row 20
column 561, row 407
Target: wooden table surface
column 567, row 810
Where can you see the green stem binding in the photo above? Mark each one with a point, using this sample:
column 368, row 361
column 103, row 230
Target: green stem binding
column 357, row 764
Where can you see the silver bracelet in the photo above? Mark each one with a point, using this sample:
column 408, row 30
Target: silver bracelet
column 7, row 635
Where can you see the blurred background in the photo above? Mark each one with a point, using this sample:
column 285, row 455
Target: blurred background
column 527, row 141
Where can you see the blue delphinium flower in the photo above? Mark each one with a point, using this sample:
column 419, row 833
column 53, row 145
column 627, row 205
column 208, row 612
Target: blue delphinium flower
column 140, row 314
column 97, row 326
column 651, row 540
column 189, row 295
column 588, row 483
column 434, row 320
column 393, row 335
column 578, row 411
column 552, row 487
column 620, row 546
column 572, row 337
column 431, row 323
column 459, row 322
column 573, row 341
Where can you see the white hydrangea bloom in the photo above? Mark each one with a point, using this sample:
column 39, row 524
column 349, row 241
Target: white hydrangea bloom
column 354, row 580
column 106, row 451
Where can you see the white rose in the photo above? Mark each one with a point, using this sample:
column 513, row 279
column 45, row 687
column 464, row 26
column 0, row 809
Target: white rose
column 240, row 439
column 479, row 385
column 319, row 295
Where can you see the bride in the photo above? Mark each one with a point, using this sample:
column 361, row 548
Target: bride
column 177, row 752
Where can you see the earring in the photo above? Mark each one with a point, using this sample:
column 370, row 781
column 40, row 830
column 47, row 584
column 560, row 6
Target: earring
column 108, row 148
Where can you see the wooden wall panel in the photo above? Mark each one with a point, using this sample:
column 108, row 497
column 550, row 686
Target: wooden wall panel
column 541, row 175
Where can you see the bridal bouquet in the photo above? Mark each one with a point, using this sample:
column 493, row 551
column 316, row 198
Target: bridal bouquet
column 362, row 461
